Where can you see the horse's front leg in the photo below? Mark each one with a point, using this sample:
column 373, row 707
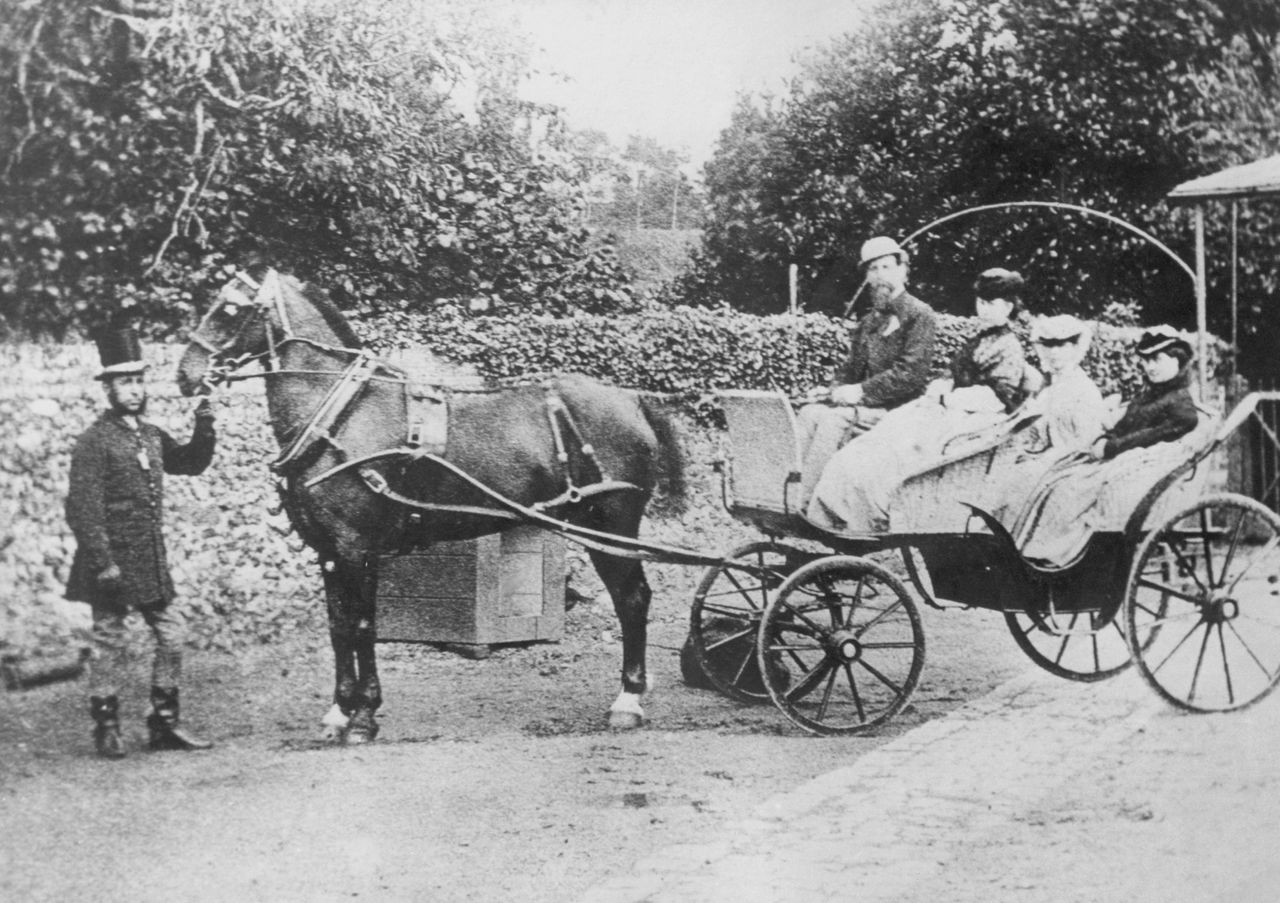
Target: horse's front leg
column 368, row 698
column 627, row 586
column 342, row 592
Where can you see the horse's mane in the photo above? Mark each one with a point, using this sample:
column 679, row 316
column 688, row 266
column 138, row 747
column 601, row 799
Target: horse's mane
column 319, row 299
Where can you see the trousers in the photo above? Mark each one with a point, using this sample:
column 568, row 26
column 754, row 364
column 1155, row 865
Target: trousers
column 114, row 657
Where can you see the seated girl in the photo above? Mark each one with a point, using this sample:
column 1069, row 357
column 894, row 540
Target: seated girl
column 1096, row 489
column 989, row 378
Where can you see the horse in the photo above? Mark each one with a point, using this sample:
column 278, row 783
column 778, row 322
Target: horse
column 358, row 480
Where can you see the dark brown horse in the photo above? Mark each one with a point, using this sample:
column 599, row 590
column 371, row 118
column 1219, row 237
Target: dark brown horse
column 357, row 481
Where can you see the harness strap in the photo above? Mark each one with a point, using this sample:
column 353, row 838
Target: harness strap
column 608, row 543
column 341, row 394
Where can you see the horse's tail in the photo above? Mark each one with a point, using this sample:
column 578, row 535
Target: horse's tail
column 670, row 458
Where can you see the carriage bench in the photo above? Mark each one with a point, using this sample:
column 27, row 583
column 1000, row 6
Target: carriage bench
column 472, row 594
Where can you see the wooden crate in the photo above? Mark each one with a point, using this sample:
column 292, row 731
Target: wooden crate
column 504, row 588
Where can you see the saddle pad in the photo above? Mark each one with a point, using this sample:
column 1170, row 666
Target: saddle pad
column 426, row 418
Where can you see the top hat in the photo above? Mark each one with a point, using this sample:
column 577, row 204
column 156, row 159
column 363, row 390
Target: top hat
column 880, row 246
column 1163, row 338
column 120, row 352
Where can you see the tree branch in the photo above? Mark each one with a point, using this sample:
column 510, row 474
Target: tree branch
column 191, row 195
column 24, row 65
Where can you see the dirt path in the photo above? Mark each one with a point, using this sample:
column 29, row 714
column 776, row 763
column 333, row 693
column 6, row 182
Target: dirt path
column 492, row 779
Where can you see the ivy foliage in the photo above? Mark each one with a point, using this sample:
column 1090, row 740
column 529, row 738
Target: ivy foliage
column 936, row 106
column 378, row 147
column 689, row 353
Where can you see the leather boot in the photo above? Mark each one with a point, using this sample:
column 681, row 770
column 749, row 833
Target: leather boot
column 106, row 731
column 166, row 730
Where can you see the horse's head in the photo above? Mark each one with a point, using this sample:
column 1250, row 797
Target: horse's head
column 234, row 331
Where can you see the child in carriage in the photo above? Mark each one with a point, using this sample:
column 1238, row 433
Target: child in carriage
column 990, row 377
column 1094, row 489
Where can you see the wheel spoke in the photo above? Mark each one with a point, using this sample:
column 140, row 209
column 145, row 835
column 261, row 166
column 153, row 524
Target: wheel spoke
column 1271, row 675
column 857, row 600
column 878, row 676
column 739, row 614
column 729, row 639
column 1231, row 548
column 1262, row 553
column 1195, row 675
column 1147, row 583
column 1226, row 665
column 878, row 618
column 853, row 688
column 1207, row 540
column 1187, row 567
column 799, row 613
column 826, row 694
column 1177, row 646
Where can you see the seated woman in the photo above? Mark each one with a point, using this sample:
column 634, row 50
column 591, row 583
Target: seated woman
column 1096, row 489
column 989, row 378
column 1071, row 414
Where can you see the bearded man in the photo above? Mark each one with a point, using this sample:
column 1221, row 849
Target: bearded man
column 115, row 509
column 890, row 353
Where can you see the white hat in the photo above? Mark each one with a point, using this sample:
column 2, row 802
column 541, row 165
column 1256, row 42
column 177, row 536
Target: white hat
column 880, row 246
column 1058, row 330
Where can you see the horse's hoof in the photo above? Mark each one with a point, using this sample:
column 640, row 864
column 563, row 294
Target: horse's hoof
column 625, row 721
column 360, row 735
column 333, row 734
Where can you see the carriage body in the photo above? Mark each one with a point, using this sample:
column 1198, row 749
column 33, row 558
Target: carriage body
column 1075, row 621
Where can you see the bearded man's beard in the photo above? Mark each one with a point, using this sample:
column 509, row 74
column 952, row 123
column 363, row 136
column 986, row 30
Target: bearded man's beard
column 121, row 409
column 880, row 294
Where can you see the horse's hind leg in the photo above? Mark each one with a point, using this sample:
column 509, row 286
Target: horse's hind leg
column 349, row 595
column 626, row 583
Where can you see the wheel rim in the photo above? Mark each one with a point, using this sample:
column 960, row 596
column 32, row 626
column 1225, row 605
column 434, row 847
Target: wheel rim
column 1203, row 608
column 852, row 643
column 724, row 620
column 1081, row 646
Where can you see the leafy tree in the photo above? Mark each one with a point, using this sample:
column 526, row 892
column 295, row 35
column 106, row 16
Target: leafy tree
column 940, row 105
column 376, row 147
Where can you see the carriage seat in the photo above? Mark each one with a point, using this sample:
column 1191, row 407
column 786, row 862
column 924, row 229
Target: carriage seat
column 762, row 462
column 933, row 499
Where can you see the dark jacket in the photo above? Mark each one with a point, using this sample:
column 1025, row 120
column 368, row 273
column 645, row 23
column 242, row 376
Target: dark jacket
column 115, row 507
column 993, row 358
column 890, row 352
column 1159, row 413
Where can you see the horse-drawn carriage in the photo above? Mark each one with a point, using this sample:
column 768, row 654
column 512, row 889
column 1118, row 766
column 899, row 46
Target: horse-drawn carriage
column 1184, row 584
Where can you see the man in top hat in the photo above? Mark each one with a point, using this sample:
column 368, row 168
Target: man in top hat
column 890, row 353
column 115, row 509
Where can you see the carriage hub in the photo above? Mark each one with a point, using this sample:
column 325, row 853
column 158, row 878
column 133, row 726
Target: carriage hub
column 844, row 645
column 1221, row 609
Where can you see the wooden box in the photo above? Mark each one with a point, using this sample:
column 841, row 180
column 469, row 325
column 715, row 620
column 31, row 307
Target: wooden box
column 503, row 588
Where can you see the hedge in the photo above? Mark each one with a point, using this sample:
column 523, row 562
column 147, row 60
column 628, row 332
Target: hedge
column 240, row 579
column 691, row 352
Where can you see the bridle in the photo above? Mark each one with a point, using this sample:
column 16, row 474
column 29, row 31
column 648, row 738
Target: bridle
column 245, row 312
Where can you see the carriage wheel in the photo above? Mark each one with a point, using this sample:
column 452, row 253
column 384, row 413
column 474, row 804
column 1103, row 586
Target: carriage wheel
column 1084, row 645
column 853, row 643
column 1202, row 612
column 725, row 617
